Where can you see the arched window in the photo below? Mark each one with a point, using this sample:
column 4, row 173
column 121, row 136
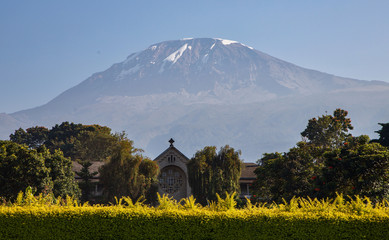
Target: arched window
column 171, row 179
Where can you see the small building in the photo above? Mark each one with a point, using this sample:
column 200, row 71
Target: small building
column 173, row 177
column 247, row 178
column 97, row 189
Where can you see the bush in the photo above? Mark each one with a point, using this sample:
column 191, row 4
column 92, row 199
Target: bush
column 340, row 218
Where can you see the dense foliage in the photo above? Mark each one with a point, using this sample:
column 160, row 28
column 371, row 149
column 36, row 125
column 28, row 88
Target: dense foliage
column 212, row 173
column 77, row 141
column 42, row 218
column 128, row 173
column 21, row 167
column 329, row 160
column 357, row 168
column 384, row 135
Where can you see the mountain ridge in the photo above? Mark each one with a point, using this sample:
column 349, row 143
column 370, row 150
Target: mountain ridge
column 187, row 87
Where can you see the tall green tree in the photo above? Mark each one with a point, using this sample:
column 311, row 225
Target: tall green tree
column 287, row 175
column 82, row 143
column 296, row 172
column 86, row 184
column 94, row 144
column 384, row 135
column 210, row 173
column 21, row 167
column 328, row 131
column 33, row 137
column 356, row 168
column 127, row 173
column 61, row 173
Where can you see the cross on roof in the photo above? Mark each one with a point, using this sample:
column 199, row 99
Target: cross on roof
column 171, row 141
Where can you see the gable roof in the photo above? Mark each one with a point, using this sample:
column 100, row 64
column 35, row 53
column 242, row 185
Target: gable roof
column 76, row 167
column 173, row 149
column 248, row 172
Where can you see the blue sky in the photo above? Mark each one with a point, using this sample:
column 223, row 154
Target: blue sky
column 49, row 46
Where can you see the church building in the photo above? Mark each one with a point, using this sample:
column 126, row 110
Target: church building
column 173, row 177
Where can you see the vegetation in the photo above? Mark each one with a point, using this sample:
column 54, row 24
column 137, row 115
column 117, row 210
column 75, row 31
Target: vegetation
column 384, row 135
column 300, row 218
column 329, row 160
column 126, row 172
column 212, row 173
column 45, row 172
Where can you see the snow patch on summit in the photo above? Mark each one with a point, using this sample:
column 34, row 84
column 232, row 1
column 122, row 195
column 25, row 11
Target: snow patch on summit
column 177, row 54
column 226, row 42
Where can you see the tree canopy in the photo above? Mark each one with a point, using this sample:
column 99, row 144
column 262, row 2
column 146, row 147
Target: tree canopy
column 356, row 168
column 128, row 173
column 384, row 135
column 21, row 167
column 210, row 173
column 328, row 161
column 90, row 143
column 328, row 131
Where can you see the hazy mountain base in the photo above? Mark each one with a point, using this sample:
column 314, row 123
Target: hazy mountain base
column 255, row 128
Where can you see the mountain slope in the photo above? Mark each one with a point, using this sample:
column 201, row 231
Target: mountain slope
column 210, row 92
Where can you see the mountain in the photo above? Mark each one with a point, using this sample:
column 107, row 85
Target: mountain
column 209, row 92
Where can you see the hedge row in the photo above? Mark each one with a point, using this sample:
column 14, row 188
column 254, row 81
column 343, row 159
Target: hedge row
column 115, row 222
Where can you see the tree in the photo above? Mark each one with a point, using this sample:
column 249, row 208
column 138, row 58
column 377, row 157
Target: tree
column 84, row 144
column 330, row 161
column 127, row 172
column 267, row 185
column 61, row 173
column 328, row 131
column 33, row 137
column 297, row 172
column 356, row 168
column 21, row 167
column 86, row 184
column 287, row 175
column 384, row 135
column 210, row 173
column 95, row 143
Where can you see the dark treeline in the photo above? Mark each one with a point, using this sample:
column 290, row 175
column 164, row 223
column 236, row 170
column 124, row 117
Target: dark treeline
column 126, row 171
column 327, row 161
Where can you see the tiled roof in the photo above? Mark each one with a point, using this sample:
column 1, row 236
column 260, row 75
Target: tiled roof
column 248, row 171
column 93, row 168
